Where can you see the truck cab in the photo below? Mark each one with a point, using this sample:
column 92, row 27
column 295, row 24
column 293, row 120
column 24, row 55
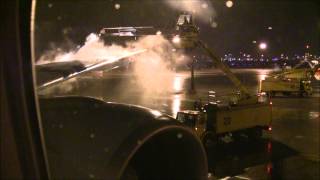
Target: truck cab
column 194, row 120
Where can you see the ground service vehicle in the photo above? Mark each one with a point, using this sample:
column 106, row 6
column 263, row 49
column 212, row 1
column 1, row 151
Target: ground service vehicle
column 186, row 32
column 214, row 121
column 272, row 86
column 292, row 81
column 246, row 115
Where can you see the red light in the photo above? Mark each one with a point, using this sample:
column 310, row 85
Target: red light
column 269, row 168
column 269, row 147
column 270, row 102
column 269, row 128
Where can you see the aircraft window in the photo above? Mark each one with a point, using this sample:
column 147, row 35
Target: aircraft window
column 181, row 117
column 114, row 77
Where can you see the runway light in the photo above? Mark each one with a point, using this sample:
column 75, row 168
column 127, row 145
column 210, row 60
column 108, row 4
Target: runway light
column 176, row 40
column 177, row 83
column 269, row 168
column 229, row 4
column 204, row 5
column 269, row 147
column 158, row 33
column 117, row 6
column 263, row 46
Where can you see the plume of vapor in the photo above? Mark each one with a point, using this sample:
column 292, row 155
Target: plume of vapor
column 201, row 9
column 91, row 52
column 152, row 70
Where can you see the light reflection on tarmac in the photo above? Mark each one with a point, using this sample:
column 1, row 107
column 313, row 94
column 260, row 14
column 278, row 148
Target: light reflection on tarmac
column 291, row 151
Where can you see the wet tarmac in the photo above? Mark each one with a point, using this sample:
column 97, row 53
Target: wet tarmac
column 290, row 151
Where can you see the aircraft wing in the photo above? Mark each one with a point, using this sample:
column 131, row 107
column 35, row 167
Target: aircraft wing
column 63, row 71
column 132, row 27
column 128, row 31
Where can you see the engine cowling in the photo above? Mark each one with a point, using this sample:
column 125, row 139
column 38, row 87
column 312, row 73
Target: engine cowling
column 89, row 138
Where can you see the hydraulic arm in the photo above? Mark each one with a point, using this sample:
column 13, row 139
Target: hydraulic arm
column 244, row 91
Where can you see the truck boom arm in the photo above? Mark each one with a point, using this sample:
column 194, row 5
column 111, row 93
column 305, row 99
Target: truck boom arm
column 225, row 69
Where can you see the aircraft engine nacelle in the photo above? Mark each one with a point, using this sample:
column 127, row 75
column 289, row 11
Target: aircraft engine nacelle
column 88, row 138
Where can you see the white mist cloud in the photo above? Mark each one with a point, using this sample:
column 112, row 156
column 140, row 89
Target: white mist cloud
column 91, row 52
column 201, row 9
column 152, row 69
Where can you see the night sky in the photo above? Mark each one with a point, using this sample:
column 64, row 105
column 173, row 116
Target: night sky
column 294, row 24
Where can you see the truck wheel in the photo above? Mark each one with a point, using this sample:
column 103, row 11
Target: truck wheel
column 210, row 140
column 254, row 133
column 130, row 173
column 238, row 136
column 272, row 94
column 303, row 94
column 286, row 93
